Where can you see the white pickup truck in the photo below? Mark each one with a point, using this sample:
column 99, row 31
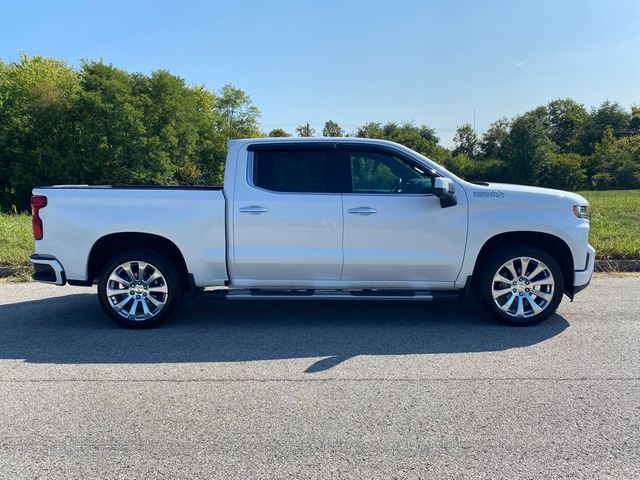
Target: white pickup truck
column 330, row 218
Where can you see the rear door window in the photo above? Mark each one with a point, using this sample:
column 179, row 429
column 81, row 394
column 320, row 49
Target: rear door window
column 296, row 171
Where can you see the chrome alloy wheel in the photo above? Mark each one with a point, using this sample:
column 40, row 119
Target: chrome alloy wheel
column 523, row 287
column 137, row 290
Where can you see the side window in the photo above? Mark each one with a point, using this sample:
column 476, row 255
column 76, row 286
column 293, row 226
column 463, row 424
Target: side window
column 301, row 171
column 373, row 172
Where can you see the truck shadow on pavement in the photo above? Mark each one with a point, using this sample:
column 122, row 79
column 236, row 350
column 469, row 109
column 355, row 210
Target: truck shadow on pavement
column 73, row 330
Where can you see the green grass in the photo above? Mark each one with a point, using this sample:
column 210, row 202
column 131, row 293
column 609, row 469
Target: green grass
column 16, row 240
column 615, row 223
column 16, row 244
column 615, row 229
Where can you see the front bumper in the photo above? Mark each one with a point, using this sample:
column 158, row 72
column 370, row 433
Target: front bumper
column 47, row 269
column 581, row 278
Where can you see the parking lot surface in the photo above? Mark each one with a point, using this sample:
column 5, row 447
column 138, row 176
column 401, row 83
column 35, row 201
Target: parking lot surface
column 265, row 390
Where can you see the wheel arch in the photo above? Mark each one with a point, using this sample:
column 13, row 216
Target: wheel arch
column 107, row 246
column 551, row 244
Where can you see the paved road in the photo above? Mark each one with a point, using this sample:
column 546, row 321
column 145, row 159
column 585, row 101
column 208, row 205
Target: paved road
column 319, row 390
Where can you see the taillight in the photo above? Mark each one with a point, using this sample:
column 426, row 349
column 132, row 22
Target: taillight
column 37, row 202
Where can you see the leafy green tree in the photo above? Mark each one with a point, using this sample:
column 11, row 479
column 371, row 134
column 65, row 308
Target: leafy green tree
column 634, row 123
column 37, row 126
column 565, row 171
column 101, row 124
column 466, row 141
column 113, row 129
column 608, row 115
column 237, row 116
column 332, row 129
column 370, row 130
column 566, row 120
column 615, row 162
column 494, row 138
column 526, row 150
column 279, row 132
column 305, row 131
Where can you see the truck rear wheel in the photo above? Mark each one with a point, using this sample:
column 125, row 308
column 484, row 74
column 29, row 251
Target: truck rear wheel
column 139, row 288
column 521, row 284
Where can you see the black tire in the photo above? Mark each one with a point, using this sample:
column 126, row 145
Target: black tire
column 508, row 312
column 146, row 296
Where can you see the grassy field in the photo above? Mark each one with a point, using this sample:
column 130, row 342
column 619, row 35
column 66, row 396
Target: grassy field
column 615, row 223
column 615, row 229
column 16, row 244
column 16, row 240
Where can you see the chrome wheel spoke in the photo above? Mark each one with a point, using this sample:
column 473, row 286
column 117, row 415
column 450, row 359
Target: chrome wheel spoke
column 525, row 264
column 507, row 305
column 111, row 292
column 544, row 281
column 120, row 305
column 536, row 308
column 159, row 289
column 142, row 266
column 154, row 301
column 114, row 277
column 132, row 311
column 145, row 308
column 512, row 269
column 501, row 292
column 501, row 278
column 127, row 269
column 544, row 295
column 520, row 309
column 153, row 277
column 538, row 270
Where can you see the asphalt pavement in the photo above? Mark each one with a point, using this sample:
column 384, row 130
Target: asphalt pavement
column 268, row 390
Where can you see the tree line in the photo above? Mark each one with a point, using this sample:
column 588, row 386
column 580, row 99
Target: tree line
column 98, row 124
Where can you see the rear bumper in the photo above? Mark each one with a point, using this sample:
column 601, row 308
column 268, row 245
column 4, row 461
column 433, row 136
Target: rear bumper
column 47, row 269
column 581, row 278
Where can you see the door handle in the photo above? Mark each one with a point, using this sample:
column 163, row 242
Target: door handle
column 253, row 209
column 363, row 210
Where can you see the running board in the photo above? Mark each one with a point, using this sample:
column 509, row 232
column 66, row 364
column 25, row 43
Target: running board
column 267, row 294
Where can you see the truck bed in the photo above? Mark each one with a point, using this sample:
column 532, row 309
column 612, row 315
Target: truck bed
column 191, row 217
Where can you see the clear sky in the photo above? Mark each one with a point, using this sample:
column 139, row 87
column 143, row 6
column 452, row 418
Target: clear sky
column 429, row 62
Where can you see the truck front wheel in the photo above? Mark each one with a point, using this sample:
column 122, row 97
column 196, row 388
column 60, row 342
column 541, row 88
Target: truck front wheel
column 521, row 284
column 139, row 288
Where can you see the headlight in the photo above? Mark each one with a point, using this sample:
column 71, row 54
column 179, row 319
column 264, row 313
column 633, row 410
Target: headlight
column 580, row 211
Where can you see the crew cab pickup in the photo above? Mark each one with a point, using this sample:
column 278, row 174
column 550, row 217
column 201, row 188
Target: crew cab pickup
column 321, row 218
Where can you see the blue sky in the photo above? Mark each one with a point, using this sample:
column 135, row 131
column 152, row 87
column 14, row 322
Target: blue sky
column 429, row 62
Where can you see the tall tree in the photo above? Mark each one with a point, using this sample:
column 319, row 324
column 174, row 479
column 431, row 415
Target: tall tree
column 465, row 141
column 566, row 120
column 305, row 131
column 494, row 138
column 37, row 126
column 634, row 122
column 608, row 115
column 332, row 129
column 526, row 149
column 237, row 115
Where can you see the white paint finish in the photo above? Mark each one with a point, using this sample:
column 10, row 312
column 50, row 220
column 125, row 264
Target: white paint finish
column 194, row 220
column 523, row 209
column 299, row 237
column 583, row 277
column 410, row 238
